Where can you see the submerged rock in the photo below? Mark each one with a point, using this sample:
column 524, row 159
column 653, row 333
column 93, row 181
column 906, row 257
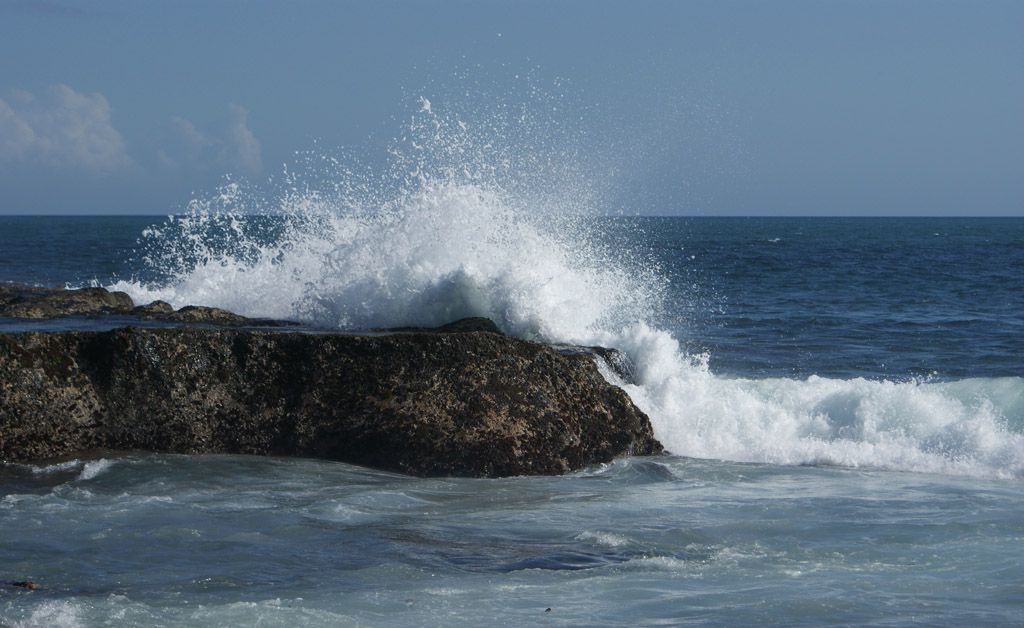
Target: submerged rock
column 471, row 404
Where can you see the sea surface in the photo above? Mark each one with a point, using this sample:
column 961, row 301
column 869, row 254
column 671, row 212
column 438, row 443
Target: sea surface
column 842, row 399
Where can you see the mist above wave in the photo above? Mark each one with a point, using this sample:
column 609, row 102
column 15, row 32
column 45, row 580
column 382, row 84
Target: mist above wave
column 479, row 211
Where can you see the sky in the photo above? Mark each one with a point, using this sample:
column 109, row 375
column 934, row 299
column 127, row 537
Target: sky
column 719, row 108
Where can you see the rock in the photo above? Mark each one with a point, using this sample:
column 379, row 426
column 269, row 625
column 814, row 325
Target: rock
column 11, row 293
column 19, row 301
column 465, row 404
column 473, row 323
column 203, row 314
column 476, row 323
column 155, row 309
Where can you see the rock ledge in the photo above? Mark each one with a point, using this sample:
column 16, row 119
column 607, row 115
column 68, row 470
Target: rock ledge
column 464, row 403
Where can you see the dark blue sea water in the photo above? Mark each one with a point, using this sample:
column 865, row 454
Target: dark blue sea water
column 852, row 297
column 843, row 400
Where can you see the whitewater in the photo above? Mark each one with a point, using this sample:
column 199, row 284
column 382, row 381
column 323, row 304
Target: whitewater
column 446, row 235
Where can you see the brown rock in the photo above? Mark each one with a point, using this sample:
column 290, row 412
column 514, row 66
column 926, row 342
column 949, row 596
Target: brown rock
column 474, row 404
column 203, row 314
column 19, row 301
column 154, row 309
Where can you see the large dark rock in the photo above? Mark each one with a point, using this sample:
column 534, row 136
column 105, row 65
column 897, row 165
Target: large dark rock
column 474, row 403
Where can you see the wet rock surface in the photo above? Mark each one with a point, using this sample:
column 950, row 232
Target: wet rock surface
column 18, row 301
column 29, row 302
column 462, row 402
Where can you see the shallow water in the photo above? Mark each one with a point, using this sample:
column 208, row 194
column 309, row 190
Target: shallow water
column 226, row 540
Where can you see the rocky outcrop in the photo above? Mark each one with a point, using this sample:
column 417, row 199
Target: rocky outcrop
column 20, row 301
column 468, row 403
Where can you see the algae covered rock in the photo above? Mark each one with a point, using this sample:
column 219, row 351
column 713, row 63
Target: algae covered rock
column 19, row 301
column 474, row 403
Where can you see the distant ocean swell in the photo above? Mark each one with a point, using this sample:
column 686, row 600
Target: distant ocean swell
column 444, row 243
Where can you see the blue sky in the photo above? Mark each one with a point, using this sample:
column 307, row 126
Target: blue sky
column 694, row 108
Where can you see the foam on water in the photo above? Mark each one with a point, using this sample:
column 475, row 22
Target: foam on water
column 53, row 614
column 94, row 468
column 89, row 468
column 485, row 219
column 970, row 427
column 67, row 465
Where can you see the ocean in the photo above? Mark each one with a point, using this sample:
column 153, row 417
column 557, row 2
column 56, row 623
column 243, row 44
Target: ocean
column 842, row 400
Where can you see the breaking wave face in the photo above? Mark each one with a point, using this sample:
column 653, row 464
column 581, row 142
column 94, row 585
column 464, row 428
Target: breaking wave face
column 470, row 218
column 446, row 251
column 490, row 216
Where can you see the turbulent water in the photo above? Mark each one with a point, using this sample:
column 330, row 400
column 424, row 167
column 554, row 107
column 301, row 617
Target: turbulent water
column 842, row 398
column 232, row 541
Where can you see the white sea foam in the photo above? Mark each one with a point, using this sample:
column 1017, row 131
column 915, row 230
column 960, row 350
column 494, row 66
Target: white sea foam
column 94, row 467
column 470, row 222
column 53, row 614
column 67, row 465
column 607, row 539
column 970, row 427
column 89, row 469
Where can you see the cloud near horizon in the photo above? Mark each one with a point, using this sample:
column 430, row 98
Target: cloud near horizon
column 62, row 129
column 235, row 149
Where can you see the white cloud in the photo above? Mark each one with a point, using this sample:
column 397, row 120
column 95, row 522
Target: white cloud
column 63, row 129
column 193, row 142
column 235, row 148
column 243, row 147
